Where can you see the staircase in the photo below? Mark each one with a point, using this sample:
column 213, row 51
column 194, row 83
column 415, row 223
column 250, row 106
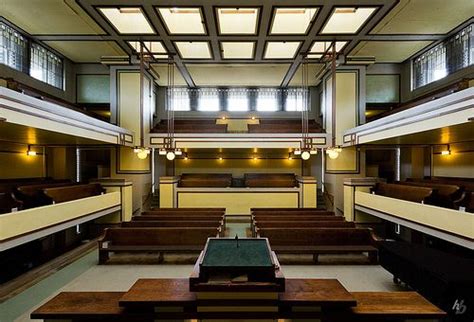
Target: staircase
column 321, row 203
column 155, row 201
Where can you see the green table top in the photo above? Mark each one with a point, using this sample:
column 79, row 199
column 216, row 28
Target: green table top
column 225, row 253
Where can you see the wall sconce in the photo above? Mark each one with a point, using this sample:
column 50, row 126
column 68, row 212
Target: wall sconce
column 333, row 152
column 447, row 151
column 30, row 152
column 142, row 153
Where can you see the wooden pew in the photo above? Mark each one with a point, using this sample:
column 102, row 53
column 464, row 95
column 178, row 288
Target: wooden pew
column 187, row 209
column 9, row 185
column 63, row 194
column 300, row 224
column 173, row 223
column 270, row 180
column 175, row 218
column 160, row 240
column 447, row 195
column 33, row 195
column 205, row 180
column 287, row 209
column 317, row 241
column 467, row 184
column 292, row 213
column 8, row 204
column 408, row 193
column 190, row 213
column 297, row 218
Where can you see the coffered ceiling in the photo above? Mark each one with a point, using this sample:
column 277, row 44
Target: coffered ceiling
column 224, row 42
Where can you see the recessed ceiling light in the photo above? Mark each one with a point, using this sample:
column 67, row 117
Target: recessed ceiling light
column 314, row 56
column 237, row 50
column 183, row 20
column 281, row 49
column 347, row 20
column 128, row 20
column 194, row 49
column 236, row 21
column 322, row 46
column 292, row 20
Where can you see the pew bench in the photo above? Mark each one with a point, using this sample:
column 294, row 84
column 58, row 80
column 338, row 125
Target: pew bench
column 148, row 217
column 63, row 194
column 160, row 240
column 270, row 180
column 190, row 213
column 447, row 195
column 292, row 209
column 402, row 192
column 301, row 224
column 171, row 223
column 8, row 204
column 293, row 213
column 209, row 180
column 316, row 241
column 33, row 195
column 297, row 218
column 187, row 209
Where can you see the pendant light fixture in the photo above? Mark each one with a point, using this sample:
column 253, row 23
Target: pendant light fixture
column 334, row 150
column 306, row 149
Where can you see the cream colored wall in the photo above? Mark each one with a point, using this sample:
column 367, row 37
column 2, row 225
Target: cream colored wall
column 141, row 182
column 347, row 97
column 128, row 98
column 459, row 164
column 14, row 163
column 237, row 166
column 334, row 183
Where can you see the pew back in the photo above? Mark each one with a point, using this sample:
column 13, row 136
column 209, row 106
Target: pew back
column 408, row 193
column 159, row 236
column 63, row 194
column 317, row 236
column 175, row 218
column 297, row 218
column 270, row 180
column 171, row 223
column 304, row 224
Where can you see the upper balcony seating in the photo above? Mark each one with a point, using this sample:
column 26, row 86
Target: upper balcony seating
column 444, row 91
column 8, row 204
column 270, row 180
column 33, row 196
column 448, row 196
column 205, row 180
column 451, row 193
column 63, row 194
column 252, row 180
column 191, row 126
column 466, row 184
column 210, row 126
column 283, row 126
column 408, row 193
column 36, row 192
column 90, row 110
column 8, row 201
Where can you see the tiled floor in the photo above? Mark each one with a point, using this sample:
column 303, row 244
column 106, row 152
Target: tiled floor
column 86, row 275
